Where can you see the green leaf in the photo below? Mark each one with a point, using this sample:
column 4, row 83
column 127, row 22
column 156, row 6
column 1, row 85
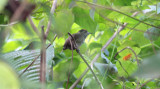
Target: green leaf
column 23, row 31
column 130, row 85
column 129, row 66
column 63, row 22
column 11, row 46
column 62, row 69
column 139, row 38
column 83, row 19
column 2, row 4
column 128, row 51
column 123, row 3
column 8, row 78
column 95, row 45
column 81, row 68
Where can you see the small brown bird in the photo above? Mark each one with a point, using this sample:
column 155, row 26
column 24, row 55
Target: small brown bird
column 79, row 39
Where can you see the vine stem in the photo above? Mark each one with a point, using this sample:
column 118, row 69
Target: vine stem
column 129, row 49
column 51, row 13
column 70, row 66
column 43, row 60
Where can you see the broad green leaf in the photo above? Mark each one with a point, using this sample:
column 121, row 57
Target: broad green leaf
column 23, row 31
column 2, row 4
column 106, row 35
column 125, row 52
column 11, row 46
column 128, row 51
column 129, row 66
column 83, row 19
column 62, row 69
column 123, row 3
column 8, row 78
column 81, row 68
column 63, row 22
column 139, row 38
column 95, row 45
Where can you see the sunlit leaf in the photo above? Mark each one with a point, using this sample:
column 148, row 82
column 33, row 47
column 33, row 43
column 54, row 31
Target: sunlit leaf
column 83, row 19
column 62, row 69
column 63, row 22
column 8, row 78
column 11, row 46
column 2, row 4
column 128, row 66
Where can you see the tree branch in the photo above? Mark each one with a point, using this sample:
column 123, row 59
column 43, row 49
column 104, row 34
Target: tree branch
column 10, row 24
column 70, row 66
column 131, row 50
column 33, row 26
column 43, row 60
column 51, row 13
column 145, row 83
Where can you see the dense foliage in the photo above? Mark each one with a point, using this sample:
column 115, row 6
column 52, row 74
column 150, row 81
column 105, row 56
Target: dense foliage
column 124, row 42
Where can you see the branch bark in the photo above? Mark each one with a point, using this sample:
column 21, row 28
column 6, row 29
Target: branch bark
column 33, row 26
column 43, row 60
column 51, row 13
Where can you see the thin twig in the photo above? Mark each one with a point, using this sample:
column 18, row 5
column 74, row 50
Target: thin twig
column 131, row 28
column 70, row 66
column 33, row 26
column 43, row 60
column 131, row 50
column 35, row 59
column 78, row 51
column 145, row 83
column 51, row 13
column 10, row 24
column 123, row 67
column 103, row 48
column 29, row 65
column 154, row 50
